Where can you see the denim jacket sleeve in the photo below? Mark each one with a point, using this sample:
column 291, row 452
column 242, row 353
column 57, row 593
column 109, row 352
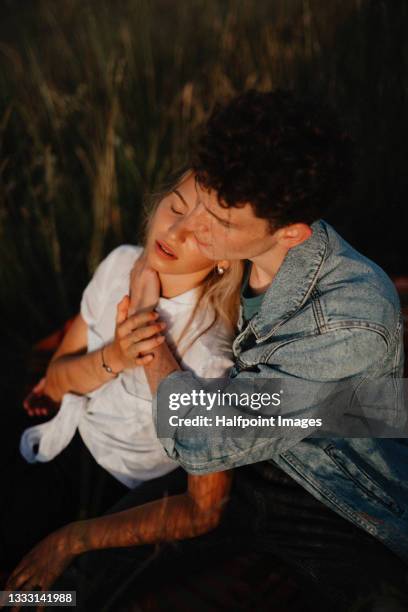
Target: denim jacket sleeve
column 344, row 353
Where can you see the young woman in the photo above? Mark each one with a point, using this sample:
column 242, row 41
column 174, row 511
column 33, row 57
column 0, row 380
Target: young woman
column 103, row 434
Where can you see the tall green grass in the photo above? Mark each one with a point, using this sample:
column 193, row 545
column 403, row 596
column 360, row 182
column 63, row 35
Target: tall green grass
column 99, row 102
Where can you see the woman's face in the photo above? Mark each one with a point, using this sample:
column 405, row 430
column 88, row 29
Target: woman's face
column 171, row 248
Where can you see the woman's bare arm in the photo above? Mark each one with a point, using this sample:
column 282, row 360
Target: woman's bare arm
column 71, row 368
column 74, row 370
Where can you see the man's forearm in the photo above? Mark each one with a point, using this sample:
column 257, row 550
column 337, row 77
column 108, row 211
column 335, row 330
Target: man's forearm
column 171, row 518
column 163, row 364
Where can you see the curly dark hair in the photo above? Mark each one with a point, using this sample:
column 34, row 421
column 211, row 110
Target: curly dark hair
column 287, row 156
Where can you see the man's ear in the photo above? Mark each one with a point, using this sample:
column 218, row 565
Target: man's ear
column 294, row 234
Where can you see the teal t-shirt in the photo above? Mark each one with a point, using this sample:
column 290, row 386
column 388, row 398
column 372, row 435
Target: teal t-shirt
column 251, row 303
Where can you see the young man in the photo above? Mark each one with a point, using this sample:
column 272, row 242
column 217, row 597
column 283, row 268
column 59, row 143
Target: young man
column 313, row 309
column 267, row 168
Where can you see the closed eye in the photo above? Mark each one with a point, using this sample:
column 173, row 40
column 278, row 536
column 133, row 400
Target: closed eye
column 224, row 223
column 220, row 221
column 177, row 212
column 180, row 200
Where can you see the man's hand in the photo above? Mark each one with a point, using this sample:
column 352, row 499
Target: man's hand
column 144, row 287
column 44, row 563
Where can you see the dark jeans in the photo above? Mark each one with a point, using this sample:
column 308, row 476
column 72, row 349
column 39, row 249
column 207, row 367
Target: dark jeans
column 38, row 498
column 340, row 567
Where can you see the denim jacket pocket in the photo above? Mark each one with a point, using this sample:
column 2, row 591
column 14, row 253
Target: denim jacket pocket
column 362, row 479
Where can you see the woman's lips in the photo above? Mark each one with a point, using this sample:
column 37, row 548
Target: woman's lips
column 164, row 250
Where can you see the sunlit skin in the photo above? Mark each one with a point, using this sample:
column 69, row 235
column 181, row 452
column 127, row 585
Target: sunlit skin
column 230, row 233
column 187, row 515
column 200, row 232
column 192, row 265
column 236, row 233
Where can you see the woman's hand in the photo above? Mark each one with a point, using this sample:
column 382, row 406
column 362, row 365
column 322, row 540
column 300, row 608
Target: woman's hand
column 135, row 337
column 144, row 287
column 39, row 403
column 44, row 563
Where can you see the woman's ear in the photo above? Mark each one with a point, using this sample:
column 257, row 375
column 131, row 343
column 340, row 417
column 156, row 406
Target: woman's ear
column 225, row 264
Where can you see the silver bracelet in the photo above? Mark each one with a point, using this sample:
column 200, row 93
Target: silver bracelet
column 106, row 366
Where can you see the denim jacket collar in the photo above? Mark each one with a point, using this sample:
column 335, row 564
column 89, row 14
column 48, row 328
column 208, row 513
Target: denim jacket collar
column 292, row 284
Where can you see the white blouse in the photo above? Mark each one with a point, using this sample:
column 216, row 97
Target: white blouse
column 115, row 421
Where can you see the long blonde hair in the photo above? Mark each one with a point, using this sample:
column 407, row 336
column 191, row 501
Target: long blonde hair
column 219, row 294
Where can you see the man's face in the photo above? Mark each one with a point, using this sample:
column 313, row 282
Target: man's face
column 225, row 233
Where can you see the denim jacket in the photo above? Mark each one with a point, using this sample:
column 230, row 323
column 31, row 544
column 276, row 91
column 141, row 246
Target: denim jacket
column 330, row 314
